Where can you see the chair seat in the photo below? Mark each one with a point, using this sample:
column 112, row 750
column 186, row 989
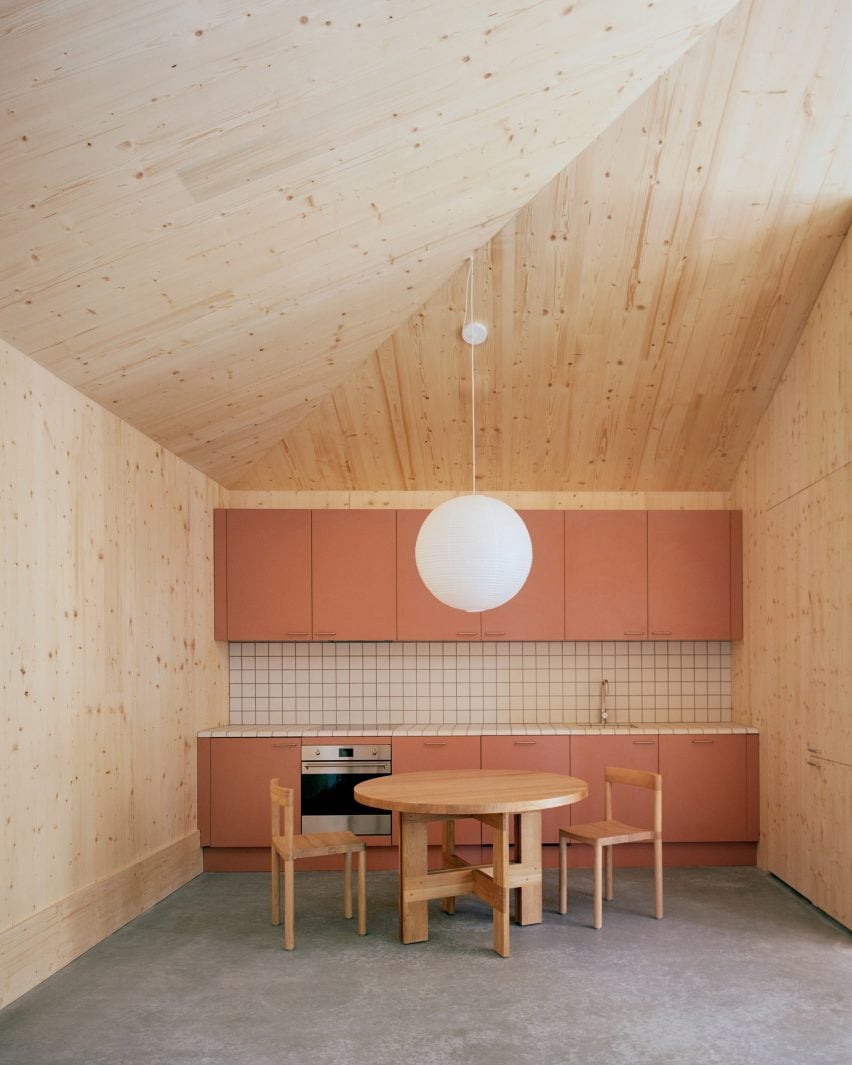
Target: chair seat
column 317, row 844
column 607, row 833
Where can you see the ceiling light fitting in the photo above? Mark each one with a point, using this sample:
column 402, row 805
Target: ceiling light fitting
column 473, row 552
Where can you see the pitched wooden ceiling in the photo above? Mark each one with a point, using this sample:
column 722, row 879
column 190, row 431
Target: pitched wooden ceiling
column 234, row 228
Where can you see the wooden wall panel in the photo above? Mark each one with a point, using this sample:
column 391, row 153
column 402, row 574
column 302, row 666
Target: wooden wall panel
column 107, row 660
column 792, row 675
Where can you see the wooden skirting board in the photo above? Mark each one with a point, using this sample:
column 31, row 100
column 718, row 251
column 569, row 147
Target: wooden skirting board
column 256, row 859
column 38, row 946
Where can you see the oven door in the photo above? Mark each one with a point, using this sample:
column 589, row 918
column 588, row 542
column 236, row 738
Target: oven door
column 328, row 803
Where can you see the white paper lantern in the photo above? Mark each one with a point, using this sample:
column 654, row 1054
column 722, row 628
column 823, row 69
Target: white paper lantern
column 473, row 552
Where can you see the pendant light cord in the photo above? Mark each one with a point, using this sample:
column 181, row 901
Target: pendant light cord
column 468, row 317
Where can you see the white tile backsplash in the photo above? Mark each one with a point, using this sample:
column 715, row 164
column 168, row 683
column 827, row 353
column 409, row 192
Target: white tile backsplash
column 471, row 683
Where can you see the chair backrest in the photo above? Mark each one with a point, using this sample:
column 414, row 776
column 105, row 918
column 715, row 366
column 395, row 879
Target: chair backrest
column 281, row 798
column 637, row 778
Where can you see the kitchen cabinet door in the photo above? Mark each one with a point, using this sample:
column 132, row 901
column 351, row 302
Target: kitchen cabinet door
column 240, row 772
column 421, row 753
column 606, row 576
column 267, row 574
column 354, row 574
column 705, row 793
column 420, row 616
column 689, row 574
column 537, row 611
column 548, row 754
column 590, row 755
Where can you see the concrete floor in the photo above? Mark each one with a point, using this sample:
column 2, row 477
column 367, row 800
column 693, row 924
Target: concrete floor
column 741, row 970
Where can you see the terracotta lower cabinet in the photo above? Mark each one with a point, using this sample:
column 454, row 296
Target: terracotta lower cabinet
column 354, row 574
column 590, row 755
column 551, row 754
column 705, row 789
column 416, row 754
column 240, row 772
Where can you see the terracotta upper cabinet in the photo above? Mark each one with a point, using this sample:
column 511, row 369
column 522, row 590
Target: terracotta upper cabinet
column 420, row 616
column 689, row 574
column 354, row 574
column 265, row 570
column 606, row 574
column 536, row 612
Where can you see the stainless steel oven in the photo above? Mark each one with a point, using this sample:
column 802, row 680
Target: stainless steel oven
column 329, row 776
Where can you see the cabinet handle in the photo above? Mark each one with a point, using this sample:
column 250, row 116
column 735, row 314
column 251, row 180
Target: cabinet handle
column 661, row 632
column 285, row 745
column 320, row 635
column 525, row 743
column 814, row 750
column 435, row 743
column 297, row 633
column 644, row 743
column 495, row 632
column 703, row 741
column 473, row 632
column 814, row 765
column 635, row 632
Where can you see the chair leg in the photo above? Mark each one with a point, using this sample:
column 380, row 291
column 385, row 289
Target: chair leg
column 362, row 892
column 609, row 894
column 347, row 885
column 658, row 878
column 289, row 899
column 563, row 875
column 598, row 885
column 276, row 888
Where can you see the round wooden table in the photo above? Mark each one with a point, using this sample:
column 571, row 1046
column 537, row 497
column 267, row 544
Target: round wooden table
column 490, row 796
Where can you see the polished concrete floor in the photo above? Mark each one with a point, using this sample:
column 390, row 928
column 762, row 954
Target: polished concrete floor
column 741, row 971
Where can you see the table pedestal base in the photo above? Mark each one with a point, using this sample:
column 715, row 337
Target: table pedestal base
column 492, row 883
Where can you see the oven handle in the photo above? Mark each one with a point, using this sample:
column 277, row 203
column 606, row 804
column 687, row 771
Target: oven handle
column 375, row 769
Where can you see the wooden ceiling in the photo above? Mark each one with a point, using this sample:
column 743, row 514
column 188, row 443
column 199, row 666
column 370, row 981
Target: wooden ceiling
column 243, row 229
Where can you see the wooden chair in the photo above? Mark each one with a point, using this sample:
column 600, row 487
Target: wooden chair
column 287, row 847
column 604, row 835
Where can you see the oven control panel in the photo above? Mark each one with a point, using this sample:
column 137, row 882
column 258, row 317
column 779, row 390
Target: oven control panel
column 360, row 752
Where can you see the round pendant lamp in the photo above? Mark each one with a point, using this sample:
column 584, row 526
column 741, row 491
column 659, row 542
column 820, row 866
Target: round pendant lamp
column 473, row 552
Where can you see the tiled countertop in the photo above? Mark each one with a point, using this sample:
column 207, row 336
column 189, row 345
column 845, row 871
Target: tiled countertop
column 645, row 728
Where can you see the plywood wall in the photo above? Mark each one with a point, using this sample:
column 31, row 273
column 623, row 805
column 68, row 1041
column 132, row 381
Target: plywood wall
column 107, row 670
column 792, row 676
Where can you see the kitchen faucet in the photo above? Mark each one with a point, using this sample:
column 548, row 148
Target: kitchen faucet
column 604, row 691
